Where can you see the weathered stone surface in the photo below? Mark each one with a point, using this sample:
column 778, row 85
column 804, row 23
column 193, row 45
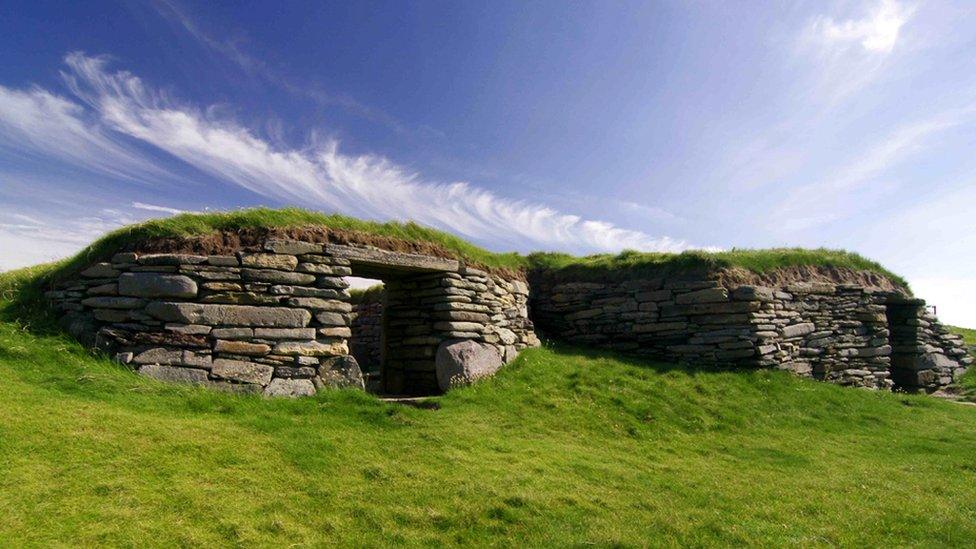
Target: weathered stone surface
column 157, row 285
column 341, row 372
column 327, row 318
column 463, row 362
column 236, row 347
column 270, row 261
column 191, row 329
column 305, row 291
column 165, row 356
column 285, row 333
column 232, row 333
column 172, row 259
column 100, row 270
column 459, row 326
column 291, row 247
column 291, row 388
column 319, row 304
column 245, row 372
column 229, row 315
column 159, row 356
column 174, row 374
column 384, row 258
column 111, row 288
column 753, row 293
column 110, row 302
column 708, row 295
column 318, row 268
column 338, row 331
column 311, row 348
column 223, row 260
column 935, row 361
column 799, row 329
column 276, row 277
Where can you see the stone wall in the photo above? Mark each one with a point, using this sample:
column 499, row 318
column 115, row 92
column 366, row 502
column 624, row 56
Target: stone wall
column 366, row 343
column 836, row 332
column 276, row 318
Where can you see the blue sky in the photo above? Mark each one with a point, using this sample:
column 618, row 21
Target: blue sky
column 582, row 127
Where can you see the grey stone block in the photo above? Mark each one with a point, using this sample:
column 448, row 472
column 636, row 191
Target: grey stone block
column 157, row 285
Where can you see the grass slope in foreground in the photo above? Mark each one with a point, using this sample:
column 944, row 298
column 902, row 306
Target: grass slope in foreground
column 563, row 447
column 624, row 265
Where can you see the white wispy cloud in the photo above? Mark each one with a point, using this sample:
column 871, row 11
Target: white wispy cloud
column 111, row 108
column 155, row 208
column 39, row 240
column 849, row 54
column 831, row 198
column 36, row 121
column 876, row 32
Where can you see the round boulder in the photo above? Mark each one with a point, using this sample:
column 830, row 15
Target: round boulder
column 461, row 363
column 341, row 372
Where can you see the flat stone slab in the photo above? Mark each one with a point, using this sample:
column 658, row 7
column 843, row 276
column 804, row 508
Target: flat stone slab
column 111, row 302
column 239, row 370
column 311, row 348
column 229, row 315
column 157, row 285
column 174, row 374
column 290, row 388
column 383, row 258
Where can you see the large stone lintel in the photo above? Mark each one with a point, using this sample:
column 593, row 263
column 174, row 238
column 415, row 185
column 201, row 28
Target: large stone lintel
column 399, row 261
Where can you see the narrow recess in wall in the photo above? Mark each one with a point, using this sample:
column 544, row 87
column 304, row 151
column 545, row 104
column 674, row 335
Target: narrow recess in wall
column 903, row 325
column 366, row 324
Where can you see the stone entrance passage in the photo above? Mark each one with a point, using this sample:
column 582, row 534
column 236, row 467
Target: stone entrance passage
column 276, row 317
column 416, row 313
column 925, row 356
column 428, row 301
column 903, row 326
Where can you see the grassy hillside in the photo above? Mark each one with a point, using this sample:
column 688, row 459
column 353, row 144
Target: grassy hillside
column 626, row 264
column 564, row 447
column 968, row 382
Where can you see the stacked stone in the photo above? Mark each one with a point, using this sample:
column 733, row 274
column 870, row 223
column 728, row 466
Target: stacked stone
column 834, row 332
column 684, row 321
column 367, row 330
column 426, row 310
column 926, row 356
column 276, row 319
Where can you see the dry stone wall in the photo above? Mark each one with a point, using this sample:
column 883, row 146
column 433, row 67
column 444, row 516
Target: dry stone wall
column 277, row 319
column 366, row 344
column 841, row 333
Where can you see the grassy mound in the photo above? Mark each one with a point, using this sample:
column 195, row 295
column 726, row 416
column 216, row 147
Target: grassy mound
column 633, row 264
column 625, row 265
column 563, row 447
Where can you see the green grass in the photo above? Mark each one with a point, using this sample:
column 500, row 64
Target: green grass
column 967, row 384
column 563, row 447
column 968, row 334
column 195, row 224
column 372, row 294
column 630, row 264
column 625, row 265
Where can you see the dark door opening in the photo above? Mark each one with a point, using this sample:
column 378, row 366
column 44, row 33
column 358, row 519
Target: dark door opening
column 903, row 326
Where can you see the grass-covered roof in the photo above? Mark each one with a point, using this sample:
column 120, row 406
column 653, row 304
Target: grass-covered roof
column 628, row 264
